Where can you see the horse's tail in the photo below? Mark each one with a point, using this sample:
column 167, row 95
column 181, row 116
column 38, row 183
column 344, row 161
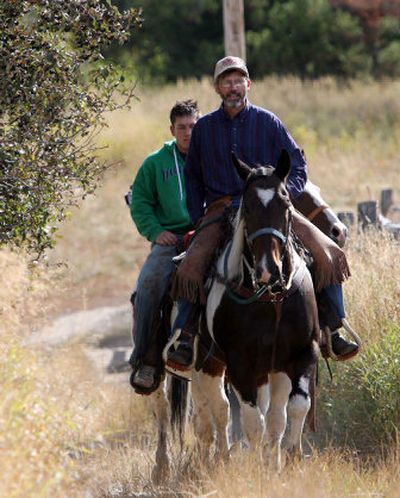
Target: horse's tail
column 179, row 401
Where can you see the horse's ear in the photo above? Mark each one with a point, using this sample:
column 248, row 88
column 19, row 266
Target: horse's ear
column 283, row 167
column 241, row 167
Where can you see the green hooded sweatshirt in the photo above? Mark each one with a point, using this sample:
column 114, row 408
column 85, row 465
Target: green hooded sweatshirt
column 158, row 194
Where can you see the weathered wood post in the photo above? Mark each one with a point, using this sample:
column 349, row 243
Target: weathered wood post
column 367, row 214
column 386, row 200
column 347, row 217
column 234, row 38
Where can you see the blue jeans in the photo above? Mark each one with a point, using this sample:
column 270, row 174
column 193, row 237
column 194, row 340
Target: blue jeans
column 151, row 287
column 335, row 296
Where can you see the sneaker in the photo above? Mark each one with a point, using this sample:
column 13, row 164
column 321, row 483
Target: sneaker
column 144, row 377
column 343, row 349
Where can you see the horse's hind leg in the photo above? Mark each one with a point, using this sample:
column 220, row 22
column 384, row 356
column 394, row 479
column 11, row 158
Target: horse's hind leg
column 280, row 387
column 160, row 407
column 220, row 411
column 299, row 404
column 211, row 408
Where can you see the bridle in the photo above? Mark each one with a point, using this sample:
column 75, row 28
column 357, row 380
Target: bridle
column 316, row 211
column 264, row 290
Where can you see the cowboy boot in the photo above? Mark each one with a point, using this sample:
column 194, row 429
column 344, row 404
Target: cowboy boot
column 181, row 357
column 143, row 376
column 333, row 345
column 341, row 347
column 180, row 350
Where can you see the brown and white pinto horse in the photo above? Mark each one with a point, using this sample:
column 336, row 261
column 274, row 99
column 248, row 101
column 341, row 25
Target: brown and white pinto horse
column 212, row 410
column 262, row 314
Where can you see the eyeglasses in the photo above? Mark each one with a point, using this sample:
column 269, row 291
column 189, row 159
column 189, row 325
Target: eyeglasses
column 233, row 84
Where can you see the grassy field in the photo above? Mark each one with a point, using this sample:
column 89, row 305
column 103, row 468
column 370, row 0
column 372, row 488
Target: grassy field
column 66, row 432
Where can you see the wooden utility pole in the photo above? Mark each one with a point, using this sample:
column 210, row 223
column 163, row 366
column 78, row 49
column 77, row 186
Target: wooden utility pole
column 234, row 38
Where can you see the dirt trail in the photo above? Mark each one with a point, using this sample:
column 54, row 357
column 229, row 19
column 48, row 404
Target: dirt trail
column 105, row 334
column 104, row 330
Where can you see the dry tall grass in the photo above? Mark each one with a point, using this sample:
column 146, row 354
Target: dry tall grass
column 65, row 431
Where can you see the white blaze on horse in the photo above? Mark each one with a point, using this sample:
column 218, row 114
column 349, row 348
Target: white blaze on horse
column 262, row 314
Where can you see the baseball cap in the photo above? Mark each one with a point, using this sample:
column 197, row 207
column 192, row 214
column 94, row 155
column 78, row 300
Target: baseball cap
column 230, row 62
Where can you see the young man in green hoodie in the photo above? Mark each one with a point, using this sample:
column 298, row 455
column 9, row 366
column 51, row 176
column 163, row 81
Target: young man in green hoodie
column 158, row 208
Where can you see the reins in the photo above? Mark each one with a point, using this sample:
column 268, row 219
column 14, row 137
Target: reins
column 233, row 295
column 265, row 291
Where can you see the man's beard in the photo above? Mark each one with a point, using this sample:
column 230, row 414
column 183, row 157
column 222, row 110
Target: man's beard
column 234, row 104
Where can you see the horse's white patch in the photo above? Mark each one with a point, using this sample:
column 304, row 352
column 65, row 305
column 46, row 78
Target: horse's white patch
column 297, row 411
column 235, row 256
column 213, row 301
column 211, row 407
column 253, row 421
column 314, row 191
column 304, row 383
column 265, row 196
column 263, row 398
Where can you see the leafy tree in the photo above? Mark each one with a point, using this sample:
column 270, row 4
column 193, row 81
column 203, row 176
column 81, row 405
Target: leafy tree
column 306, row 38
column 310, row 39
column 389, row 47
column 54, row 88
column 179, row 39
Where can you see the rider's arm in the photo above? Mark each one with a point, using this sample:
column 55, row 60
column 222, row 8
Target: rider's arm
column 144, row 202
column 195, row 191
column 298, row 172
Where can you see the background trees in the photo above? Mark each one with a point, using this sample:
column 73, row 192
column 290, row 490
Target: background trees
column 306, row 38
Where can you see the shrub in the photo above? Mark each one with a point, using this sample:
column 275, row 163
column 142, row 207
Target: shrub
column 54, row 89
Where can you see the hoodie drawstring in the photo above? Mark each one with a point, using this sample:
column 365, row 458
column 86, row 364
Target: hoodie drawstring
column 178, row 173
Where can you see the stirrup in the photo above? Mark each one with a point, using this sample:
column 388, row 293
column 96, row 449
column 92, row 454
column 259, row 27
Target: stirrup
column 174, row 368
column 179, row 374
column 327, row 334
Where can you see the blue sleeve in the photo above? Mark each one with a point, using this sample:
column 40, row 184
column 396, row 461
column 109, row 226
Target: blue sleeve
column 195, row 191
column 298, row 172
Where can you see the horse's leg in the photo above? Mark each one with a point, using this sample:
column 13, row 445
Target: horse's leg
column 280, row 387
column 235, row 429
column 220, row 411
column 160, row 407
column 202, row 419
column 299, row 404
column 211, row 411
column 263, row 398
column 253, row 422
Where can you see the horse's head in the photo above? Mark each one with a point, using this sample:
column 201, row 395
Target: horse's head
column 266, row 213
column 312, row 206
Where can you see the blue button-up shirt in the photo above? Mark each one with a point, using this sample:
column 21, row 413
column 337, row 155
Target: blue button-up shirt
column 255, row 135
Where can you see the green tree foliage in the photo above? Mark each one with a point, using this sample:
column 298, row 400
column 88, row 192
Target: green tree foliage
column 306, row 38
column 54, row 88
column 389, row 47
column 310, row 39
column 180, row 39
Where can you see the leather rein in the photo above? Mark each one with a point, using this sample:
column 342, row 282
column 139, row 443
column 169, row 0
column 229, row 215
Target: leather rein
column 243, row 295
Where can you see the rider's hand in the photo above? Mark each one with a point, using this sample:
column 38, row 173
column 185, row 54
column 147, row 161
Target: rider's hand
column 166, row 238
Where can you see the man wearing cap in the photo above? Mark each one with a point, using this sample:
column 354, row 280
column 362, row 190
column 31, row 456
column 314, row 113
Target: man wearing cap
column 257, row 137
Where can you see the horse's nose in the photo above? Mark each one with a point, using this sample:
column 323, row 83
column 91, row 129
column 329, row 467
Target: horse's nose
column 263, row 276
column 339, row 234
